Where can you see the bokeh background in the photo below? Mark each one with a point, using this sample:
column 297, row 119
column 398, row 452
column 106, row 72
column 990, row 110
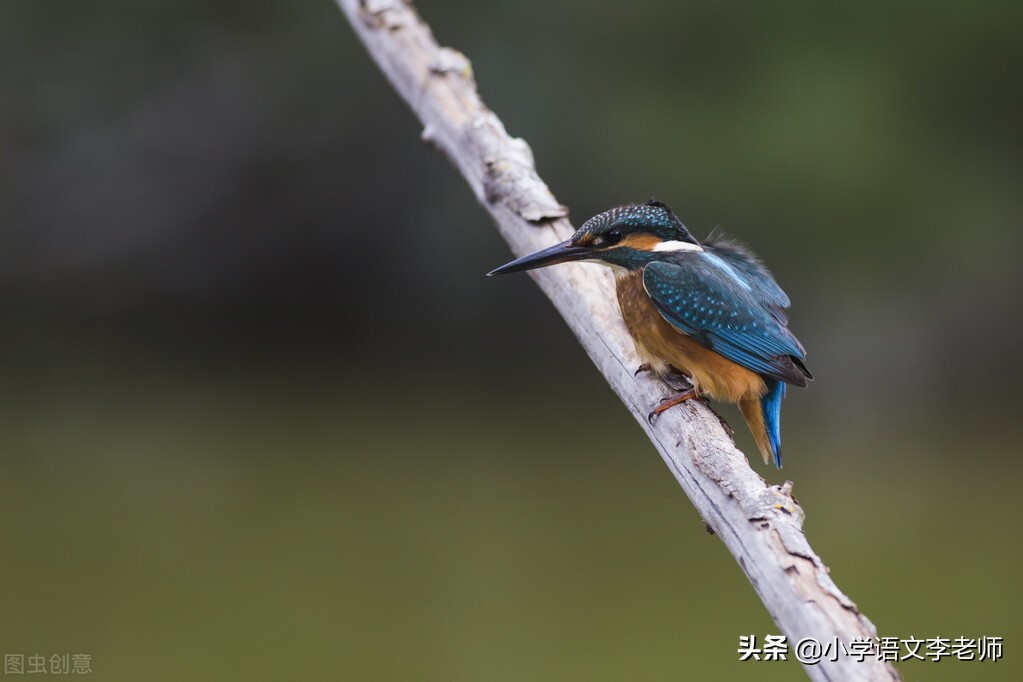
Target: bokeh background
column 261, row 416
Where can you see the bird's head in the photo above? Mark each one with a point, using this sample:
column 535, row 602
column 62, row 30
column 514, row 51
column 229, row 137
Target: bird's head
column 625, row 238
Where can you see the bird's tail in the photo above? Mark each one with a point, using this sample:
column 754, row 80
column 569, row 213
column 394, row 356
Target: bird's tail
column 763, row 415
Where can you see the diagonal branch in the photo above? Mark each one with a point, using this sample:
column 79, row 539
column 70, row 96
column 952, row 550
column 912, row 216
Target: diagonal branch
column 760, row 525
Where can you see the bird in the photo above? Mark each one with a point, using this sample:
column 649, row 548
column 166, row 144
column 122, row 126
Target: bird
column 707, row 318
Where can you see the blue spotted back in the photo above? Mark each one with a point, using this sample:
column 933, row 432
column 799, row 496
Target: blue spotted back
column 753, row 271
column 705, row 297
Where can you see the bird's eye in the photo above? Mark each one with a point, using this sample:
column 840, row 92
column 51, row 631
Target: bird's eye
column 613, row 237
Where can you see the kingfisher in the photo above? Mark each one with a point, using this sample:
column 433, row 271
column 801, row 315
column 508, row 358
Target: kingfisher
column 707, row 318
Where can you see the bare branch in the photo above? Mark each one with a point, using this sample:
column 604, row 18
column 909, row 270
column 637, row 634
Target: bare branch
column 760, row 525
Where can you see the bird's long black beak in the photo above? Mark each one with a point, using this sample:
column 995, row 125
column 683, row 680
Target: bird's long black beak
column 559, row 253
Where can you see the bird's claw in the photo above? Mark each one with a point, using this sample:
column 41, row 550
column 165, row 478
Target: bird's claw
column 671, row 401
column 645, row 367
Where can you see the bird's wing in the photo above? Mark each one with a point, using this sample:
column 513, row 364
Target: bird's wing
column 753, row 271
column 712, row 303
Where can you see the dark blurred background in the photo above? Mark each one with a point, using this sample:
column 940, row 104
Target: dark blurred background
column 261, row 416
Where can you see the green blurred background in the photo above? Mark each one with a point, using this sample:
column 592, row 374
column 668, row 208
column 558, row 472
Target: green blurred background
column 261, row 416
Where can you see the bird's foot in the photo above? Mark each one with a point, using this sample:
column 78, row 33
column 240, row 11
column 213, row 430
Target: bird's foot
column 645, row 367
column 672, row 401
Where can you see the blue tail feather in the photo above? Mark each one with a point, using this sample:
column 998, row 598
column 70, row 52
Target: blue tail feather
column 771, row 406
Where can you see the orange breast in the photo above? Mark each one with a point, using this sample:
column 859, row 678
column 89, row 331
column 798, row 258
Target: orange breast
column 661, row 344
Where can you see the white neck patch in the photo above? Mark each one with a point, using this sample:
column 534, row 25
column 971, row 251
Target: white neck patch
column 677, row 246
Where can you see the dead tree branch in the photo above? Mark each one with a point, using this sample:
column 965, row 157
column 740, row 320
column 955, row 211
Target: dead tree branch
column 761, row 525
